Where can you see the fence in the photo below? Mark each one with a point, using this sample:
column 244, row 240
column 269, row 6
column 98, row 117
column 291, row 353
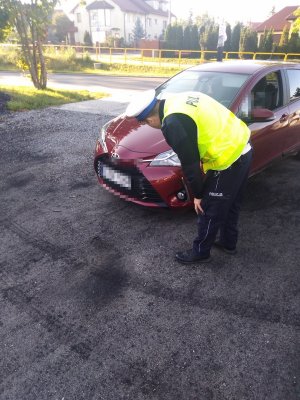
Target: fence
column 170, row 57
column 162, row 57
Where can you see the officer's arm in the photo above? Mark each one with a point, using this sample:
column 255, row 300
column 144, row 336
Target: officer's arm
column 180, row 133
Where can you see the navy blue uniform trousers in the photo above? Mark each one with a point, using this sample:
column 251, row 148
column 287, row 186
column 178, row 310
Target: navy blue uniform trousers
column 221, row 202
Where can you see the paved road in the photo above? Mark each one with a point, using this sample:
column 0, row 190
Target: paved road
column 86, row 81
column 120, row 88
column 93, row 305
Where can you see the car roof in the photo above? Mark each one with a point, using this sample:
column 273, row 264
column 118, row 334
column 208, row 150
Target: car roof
column 242, row 66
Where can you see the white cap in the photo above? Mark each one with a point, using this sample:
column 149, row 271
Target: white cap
column 142, row 105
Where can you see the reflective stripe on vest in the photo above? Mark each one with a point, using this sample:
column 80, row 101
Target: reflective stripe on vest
column 221, row 135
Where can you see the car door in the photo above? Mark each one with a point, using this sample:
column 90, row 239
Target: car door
column 267, row 138
column 292, row 139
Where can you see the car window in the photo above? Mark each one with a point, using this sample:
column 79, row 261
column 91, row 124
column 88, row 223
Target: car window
column 266, row 93
column 223, row 87
column 294, row 83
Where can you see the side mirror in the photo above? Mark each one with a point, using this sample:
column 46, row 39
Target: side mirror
column 262, row 115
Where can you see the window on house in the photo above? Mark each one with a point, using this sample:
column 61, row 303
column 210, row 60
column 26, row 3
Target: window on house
column 105, row 18
column 78, row 18
column 94, row 19
column 149, row 21
column 100, row 18
column 156, row 22
column 165, row 24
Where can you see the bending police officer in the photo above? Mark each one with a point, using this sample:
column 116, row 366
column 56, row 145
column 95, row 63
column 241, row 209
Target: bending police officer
column 213, row 147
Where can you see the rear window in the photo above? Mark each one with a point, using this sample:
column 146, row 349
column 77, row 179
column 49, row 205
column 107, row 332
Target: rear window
column 294, row 82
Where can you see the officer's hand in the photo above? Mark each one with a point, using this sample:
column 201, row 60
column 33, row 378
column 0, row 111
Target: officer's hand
column 197, row 205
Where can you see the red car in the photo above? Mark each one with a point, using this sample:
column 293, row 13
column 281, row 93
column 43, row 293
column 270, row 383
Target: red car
column 135, row 162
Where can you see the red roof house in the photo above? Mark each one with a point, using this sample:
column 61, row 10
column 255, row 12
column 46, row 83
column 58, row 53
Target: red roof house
column 277, row 22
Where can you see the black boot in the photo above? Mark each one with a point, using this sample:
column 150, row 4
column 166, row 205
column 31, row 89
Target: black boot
column 220, row 246
column 189, row 256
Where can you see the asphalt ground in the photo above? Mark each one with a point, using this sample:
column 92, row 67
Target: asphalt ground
column 93, row 304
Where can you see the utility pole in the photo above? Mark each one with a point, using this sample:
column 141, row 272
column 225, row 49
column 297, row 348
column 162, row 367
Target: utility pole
column 170, row 12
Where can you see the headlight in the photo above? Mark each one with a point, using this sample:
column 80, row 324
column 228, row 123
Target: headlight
column 102, row 136
column 168, row 158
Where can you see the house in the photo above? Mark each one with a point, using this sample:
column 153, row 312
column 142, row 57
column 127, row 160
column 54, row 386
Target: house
column 117, row 18
column 277, row 22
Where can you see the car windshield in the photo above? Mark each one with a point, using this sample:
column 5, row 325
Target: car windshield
column 222, row 86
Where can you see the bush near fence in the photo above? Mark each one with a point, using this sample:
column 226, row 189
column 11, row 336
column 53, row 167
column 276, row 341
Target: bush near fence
column 78, row 58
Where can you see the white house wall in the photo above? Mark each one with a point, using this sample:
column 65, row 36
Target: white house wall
column 82, row 26
column 125, row 22
column 158, row 25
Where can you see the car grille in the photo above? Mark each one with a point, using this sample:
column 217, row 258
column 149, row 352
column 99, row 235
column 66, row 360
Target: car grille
column 141, row 189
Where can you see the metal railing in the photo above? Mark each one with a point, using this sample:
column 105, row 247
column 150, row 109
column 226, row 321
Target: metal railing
column 160, row 57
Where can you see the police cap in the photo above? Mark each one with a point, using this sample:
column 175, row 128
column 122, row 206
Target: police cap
column 142, row 105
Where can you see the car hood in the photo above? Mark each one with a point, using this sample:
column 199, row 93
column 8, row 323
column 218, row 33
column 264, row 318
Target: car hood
column 138, row 138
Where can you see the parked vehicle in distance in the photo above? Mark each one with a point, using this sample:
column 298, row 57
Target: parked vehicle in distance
column 134, row 161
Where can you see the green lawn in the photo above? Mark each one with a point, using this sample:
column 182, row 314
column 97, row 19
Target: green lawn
column 29, row 98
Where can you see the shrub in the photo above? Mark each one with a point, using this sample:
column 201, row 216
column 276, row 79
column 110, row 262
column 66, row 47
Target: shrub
column 61, row 58
column 10, row 56
column 87, row 40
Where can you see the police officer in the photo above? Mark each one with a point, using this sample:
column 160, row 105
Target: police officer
column 213, row 147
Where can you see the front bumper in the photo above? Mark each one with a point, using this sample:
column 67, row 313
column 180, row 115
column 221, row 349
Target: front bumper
column 150, row 186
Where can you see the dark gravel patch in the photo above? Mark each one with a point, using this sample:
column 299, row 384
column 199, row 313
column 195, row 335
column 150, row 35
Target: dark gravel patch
column 93, row 305
column 4, row 98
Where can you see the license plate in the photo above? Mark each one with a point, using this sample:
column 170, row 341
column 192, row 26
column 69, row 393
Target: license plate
column 116, row 177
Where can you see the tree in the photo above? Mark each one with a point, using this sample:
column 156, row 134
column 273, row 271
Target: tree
column 284, row 39
column 266, row 41
column 296, row 25
column 227, row 45
column 178, row 37
column 235, row 37
column 174, row 37
column 87, row 40
column 272, row 12
column 187, row 38
column 294, row 43
column 170, row 37
column 61, row 26
column 208, row 32
column 195, row 38
column 31, row 21
column 248, row 40
column 138, row 31
column 4, row 25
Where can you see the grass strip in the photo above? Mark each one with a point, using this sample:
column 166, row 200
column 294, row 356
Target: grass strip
column 28, row 98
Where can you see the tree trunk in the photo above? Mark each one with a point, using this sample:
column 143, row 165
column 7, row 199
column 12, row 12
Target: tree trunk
column 31, row 36
column 43, row 69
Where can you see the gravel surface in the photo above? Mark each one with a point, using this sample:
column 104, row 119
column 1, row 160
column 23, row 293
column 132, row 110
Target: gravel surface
column 93, row 305
column 4, row 98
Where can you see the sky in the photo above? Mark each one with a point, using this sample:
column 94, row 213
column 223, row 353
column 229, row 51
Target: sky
column 231, row 10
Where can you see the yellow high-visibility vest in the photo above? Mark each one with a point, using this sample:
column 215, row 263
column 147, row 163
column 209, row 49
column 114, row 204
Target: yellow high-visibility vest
column 222, row 136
